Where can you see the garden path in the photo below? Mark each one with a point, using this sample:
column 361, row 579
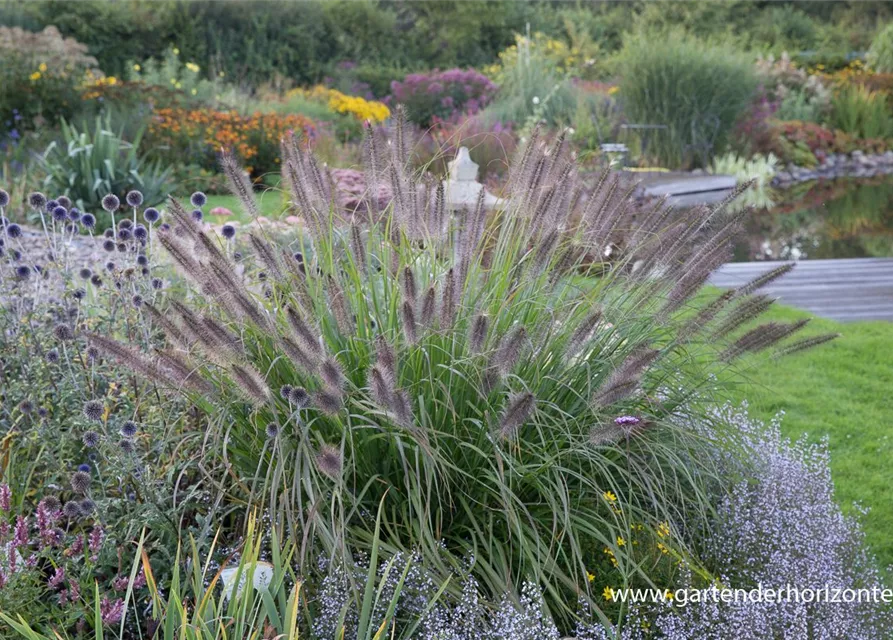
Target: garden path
column 846, row 290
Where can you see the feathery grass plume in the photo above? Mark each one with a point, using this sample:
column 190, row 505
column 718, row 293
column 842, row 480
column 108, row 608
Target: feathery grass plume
column 701, row 320
column 328, row 461
column 429, row 306
column 181, row 255
column 519, row 171
column 239, row 184
column 806, row 343
column 509, row 350
column 231, row 294
column 477, row 336
column 448, row 301
column 409, row 286
column 764, row 279
column 409, row 321
column 331, row 373
column 327, row 402
column 381, row 387
column 760, row 338
column 386, row 360
column 402, row 139
column 183, row 221
column 721, row 206
column 582, row 334
column 439, row 218
column 358, row 247
column 471, row 238
column 518, row 410
column 251, row 384
column 745, row 310
column 625, row 379
column 267, row 256
column 310, row 188
column 545, row 250
column 215, row 340
column 340, row 307
column 179, row 367
column 298, row 356
column 168, row 327
column 307, row 337
column 144, row 366
column 694, row 274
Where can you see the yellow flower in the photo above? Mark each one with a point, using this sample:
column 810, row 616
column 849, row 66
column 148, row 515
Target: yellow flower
column 176, row 51
column 608, row 593
column 194, row 68
column 663, row 529
column 668, row 594
column 35, row 76
column 590, row 576
column 194, row 91
column 620, row 541
column 136, row 67
column 42, row 67
column 609, row 496
column 662, row 547
column 112, row 80
column 613, row 90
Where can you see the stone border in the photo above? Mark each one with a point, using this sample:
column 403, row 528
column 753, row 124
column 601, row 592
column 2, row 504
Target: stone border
column 838, row 165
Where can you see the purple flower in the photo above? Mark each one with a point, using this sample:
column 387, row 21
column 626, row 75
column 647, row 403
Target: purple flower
column 626, row 421
column 5, row 497
column 111, row 611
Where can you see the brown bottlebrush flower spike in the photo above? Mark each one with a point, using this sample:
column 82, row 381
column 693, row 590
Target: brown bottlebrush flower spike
column 170, row 330
column 518, row 410
column 328, row 461
column 747, row 309
column 386, row 360
column 267, row 256
column 429, row 304
column 477, row 337
column 806, row 343
column 306, row 337
column 340, row 308
column 409, row 288
column 583, row 333
column 409, row 321
column 448, row 303
column 761, row 337
column 251, row 384
column 701, row 321
column 327, row 402
column 331, row 373
column 358, row 247
column 239, row 184
column 625, row 379
column 764, row 279
column 509, row 350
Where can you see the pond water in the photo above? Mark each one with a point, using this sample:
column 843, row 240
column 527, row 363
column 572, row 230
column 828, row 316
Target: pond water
column 845, row 218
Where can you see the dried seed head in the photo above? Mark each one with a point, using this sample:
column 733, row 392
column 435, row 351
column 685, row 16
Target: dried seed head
column 477, row 337
column 517, row 411
column 80, row 481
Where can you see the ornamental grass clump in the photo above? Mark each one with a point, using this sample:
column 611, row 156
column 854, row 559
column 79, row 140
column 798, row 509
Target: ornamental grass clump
column 487, row 377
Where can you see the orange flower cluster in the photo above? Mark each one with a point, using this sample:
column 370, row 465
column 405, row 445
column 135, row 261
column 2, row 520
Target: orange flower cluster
column 198, row 135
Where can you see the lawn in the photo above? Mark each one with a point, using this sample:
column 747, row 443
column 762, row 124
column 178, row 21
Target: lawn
column 841, row 391
column 270, row 202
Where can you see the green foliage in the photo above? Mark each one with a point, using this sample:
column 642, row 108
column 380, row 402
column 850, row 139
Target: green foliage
column 880, row 56
column 695, row 89
column 759, row 168
column 862, row 113
column 89, row 163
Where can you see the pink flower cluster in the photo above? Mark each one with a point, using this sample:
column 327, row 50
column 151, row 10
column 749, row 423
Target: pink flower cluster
column 442, row 96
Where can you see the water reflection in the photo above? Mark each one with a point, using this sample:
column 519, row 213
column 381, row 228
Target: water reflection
column 846, row 218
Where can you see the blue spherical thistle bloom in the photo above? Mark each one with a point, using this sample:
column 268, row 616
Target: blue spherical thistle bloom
column 88, row 220
column 109, row 266
column 37, row 200
column 272, row 430
column 16, row 255
column 64, row 201
column 126, row 223
column 137, row 301
column 165, row 226
column 87, row 506
column 129, row 429
column 197, row 215
column 134, row 198
column 111, row 203
column 198, row 199
column 85, row 273
column 50, row 205
column 4, row 198
column 13, row 230
column 60, row 213
column 126, row 446
column 151, row 215
column 71, row 510
column 108, row 233
column 124, row 235
column 96, row 281
column 74, row 214
column 52, row 356
column 142, row 260
column 228, row 231
column 94, row 410
column 109, row 245
column 157, row 283
column 79, row 294
column 63, row 332
column 23, row 272
column 140, row 232
column 84, row 467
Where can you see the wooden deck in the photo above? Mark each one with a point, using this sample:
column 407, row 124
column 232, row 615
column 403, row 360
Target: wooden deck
column 847, row 290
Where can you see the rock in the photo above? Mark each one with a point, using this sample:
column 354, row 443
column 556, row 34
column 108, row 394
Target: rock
column 263, row 219
column 220, row 211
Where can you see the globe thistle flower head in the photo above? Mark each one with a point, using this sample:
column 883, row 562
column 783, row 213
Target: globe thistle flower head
column 124, row 234
column 109, row 245
column 71, row 510
column 23, row 272
column 13, row 230
column 111, row 203
column 87, row 506
column 140, row 232
column 108, row 233
column 37, row 200
column 110, row 266
column 52, row 356
column 137, row 301
column 165, row 226
column 63, row 332
column 74, row 214
column 272, row 430
column 43, row 412
column 126, row 446
column 126, row 223
column 129, row 429
column 51, row 503
column 198, row 199
column 299, row 397
column 157, row 283
column 85, row 273
column 92, row 353
column 285, row 391
column 84, row 467
column 151, row 215
column 228, row 231
column 96, row 281
column 197, row 215
column 142, row 260
column 94, row 410
column 59, row 213
column 90, row 439
column 63, row 201
column 80, row 481
column 134, row 198
column 26, row 407
column 4, row 198
column 16, row 255
column 79, row 294
column 88, row 220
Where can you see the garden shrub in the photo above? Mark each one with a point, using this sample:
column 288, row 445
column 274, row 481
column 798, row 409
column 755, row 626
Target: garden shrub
column 89, row 163
column 419, row 369
column 880, row 56
column 697, row 90
column 39, row 78
column 861, row 112
column 197, row 136
column 442, row 96
column 346, row 113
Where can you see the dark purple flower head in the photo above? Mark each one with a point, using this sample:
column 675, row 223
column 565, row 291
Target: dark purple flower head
column 71, row 510
column 50, row 205
column 197, row 215
column 85, row 273
column 96, row 281
column 299, row 397
column 285, row 391
column 88, row 220
column 23, row 272
column 129, row 429
column 108, row 245
column 228, row 231
column 126, row 445
column 157, row 283
column 60, row 214
column 64, row 201
column 37, row 200
column 74, row 214
column 272, row 430
column 63, row 332
column 626, row 421
column 126, row 223
column 94, row 410
column 52, row 356
column 151, row 215
column 90, row 439
column 13, row 230
column 79, row 293
column 124, row 235
column 87, row 506
column 142, row 260
column 26, row 407
column 111, row 203
column 165, row 226
column 4, row 198
column 140, row 232
column 198, row 199
column 134, row 198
